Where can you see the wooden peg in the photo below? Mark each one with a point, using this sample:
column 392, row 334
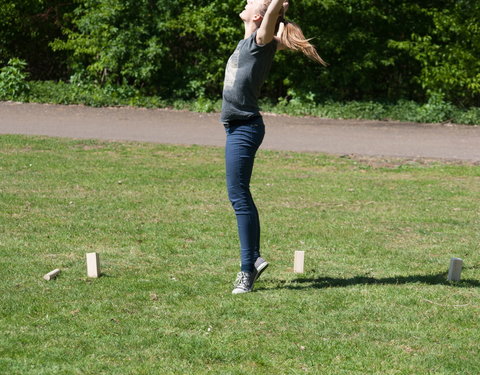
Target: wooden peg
column 51, row 275
column 299, row 261
column 93, row 265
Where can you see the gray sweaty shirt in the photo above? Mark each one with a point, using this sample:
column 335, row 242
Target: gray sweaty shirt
column 246, row 72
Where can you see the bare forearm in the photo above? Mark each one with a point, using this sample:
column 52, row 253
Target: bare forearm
column 267, row 29
column 274, row 8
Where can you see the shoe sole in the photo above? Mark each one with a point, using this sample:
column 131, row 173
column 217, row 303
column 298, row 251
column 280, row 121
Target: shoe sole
column 241, row 291
column 260, row 269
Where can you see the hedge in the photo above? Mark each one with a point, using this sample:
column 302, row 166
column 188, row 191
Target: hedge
column 377, row 49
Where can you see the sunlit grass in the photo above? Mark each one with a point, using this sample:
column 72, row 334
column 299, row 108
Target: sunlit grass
column 374, row 299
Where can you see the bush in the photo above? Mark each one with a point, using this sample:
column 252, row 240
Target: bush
column 26, row 29
column 163, row 47
column 436, row 110
column 449, row 52
column 13, row 84
column 177, row 49
column 468, row 117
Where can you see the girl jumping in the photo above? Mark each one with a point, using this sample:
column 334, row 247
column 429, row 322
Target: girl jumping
column 266, row 31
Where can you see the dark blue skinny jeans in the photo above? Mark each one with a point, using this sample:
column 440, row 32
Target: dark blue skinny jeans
column 241, row 146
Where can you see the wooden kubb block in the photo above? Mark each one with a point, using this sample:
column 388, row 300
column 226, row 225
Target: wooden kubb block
column 299, row 261
column 455, row 269
column 93, row 265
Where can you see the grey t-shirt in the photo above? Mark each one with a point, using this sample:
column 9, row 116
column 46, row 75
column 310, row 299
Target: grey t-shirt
column 246, row 72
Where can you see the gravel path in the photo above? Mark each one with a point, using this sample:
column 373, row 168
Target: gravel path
column 363, row 138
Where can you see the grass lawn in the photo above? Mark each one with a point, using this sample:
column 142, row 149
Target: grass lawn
column 374, row 299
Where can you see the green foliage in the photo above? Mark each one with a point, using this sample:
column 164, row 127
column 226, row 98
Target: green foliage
column 179, row 48
column 162, row 47
column 90, row 94
column 27, row 27
column 436, row 110
column 13, row 84
column 388, row 50
column 353, row 37
column 449, row 52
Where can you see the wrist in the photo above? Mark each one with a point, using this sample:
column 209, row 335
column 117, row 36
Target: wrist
column 275, row 6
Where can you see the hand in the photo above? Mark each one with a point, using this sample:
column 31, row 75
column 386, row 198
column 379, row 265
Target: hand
column 281, row 27
column 283, row 9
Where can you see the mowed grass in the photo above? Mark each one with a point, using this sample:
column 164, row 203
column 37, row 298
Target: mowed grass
column 374, row 299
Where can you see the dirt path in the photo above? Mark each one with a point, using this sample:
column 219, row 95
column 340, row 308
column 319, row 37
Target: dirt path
column 364, row 138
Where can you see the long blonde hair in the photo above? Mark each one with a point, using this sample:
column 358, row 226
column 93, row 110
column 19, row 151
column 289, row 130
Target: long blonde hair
column 292, row 36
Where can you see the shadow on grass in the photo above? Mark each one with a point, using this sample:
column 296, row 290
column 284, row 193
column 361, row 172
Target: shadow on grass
column 331, row 282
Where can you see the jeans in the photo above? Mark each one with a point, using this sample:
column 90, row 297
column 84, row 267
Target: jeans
column 241, row 146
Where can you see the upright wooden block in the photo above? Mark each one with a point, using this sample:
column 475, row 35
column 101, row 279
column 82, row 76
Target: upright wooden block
column 93, row 265
column 455, row 269
column 299, row 261
column 51, row 275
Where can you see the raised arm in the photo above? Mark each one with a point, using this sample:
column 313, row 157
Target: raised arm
column 266, row 32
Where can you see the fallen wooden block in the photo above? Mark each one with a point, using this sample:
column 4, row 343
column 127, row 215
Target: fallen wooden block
column 52, row 274
column 93, row 265
column 455, row 269
column 299, row 261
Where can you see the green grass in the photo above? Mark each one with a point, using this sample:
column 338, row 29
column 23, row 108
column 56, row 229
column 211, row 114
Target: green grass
column 374, row 299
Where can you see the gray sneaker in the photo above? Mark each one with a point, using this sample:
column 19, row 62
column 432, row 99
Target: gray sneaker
column 244, row 282
column 260, row 266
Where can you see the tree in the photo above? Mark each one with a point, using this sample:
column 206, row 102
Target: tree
column 26, row 29
column 449, row 52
